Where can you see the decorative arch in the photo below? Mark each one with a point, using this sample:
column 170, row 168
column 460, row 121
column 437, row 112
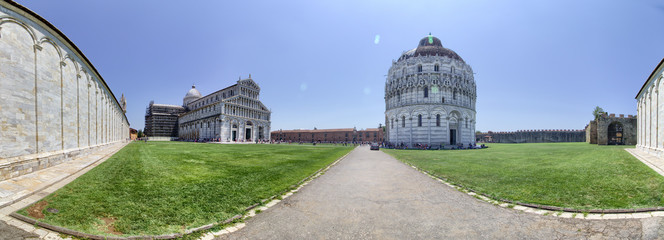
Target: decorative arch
column 77, row 66
column 22, row 25
column 55, row 45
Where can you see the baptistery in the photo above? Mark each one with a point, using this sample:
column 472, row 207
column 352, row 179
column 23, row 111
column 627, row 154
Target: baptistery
column 430, row 98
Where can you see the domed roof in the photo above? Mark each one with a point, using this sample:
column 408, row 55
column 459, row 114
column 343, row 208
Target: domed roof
column 191, row 96
column 430, row 46
column 193, row 93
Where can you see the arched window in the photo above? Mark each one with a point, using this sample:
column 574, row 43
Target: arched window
column 426, row 92
column 454, row 94
column 399, row 95
column 419, row 68
column 437, row 120
column 443, row 99
column 392, row 124
column 403, row 121
column 419, row 120
column 436, row 68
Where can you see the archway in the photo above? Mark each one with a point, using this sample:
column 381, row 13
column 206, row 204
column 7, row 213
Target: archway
column 247, row 131
column 234, row 132
column 615, row 134
column 453, row 127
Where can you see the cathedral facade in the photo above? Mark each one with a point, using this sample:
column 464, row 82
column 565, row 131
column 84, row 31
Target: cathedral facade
column 430, row 97
column 234, row 113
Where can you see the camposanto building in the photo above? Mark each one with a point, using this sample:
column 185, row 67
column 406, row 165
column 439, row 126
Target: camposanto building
column 650, row 118
column 430, row 97
column 54, row 105
column 234, row 113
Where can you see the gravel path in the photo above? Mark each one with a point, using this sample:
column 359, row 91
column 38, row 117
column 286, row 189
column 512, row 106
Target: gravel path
column 370, row 195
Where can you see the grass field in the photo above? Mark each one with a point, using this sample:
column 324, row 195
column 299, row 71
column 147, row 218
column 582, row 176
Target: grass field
column 575, row 175
column 166, row 187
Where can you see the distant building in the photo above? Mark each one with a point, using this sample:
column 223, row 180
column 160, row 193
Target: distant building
column 161, row 120
column 532, row 136
column 430, row 97
column 330, row 135
column 234, row 113
column 133, row 134
column 650, row 112
column 611, row 130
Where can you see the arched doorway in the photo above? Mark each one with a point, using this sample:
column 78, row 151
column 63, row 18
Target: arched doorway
column 616, row 134
column 247, row 131
column 234, row 132
column 453, row 126
column 261, row 135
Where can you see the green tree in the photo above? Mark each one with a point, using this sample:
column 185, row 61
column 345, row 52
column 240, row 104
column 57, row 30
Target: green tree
column 140, row 133
column 597, row 112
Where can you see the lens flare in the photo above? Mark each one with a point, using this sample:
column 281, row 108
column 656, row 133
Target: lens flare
column 377, row 39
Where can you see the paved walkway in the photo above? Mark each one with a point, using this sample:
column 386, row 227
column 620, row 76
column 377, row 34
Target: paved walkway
column 19, row 192
column 370, row 195
column 651, row 161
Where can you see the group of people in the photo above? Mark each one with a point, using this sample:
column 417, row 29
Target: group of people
column 421, row 146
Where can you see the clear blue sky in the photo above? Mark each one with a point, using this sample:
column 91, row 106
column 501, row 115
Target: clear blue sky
column 538, row 64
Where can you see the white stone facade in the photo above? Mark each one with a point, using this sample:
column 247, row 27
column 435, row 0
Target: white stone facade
column 53, row 102
column 650, row 113
column 232, row 114
column 430, row 97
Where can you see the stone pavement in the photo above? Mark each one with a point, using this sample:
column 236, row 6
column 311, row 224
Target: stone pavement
column 19, row 192
column 651, row 161
column 370, row 195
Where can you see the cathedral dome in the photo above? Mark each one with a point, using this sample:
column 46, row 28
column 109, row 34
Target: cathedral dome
column 430, row 46
column 191, row 96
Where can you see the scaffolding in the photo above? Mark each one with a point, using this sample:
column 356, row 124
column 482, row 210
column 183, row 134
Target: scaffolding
column 161, row 120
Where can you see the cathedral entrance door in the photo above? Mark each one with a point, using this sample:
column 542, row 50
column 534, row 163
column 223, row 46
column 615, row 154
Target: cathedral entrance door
column 452, row 136
column 248, row 134
column 234, row 135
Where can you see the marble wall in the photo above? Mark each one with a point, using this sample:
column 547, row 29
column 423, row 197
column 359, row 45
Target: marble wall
column 53, row 103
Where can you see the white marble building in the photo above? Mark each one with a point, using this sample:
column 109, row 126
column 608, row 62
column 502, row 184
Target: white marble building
column 430, row 97
column 650, row 113
column 54, row 105
column 231, row 114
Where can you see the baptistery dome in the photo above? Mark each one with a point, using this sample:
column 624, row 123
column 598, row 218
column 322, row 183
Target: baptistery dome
column 430, row 46
column 430, row 97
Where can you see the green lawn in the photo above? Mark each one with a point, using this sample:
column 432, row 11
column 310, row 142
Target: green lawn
column 166, row 187
column 574, row 175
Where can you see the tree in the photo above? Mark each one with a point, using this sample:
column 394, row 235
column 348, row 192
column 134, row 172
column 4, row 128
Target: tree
column 140, row 133
column 598, row 112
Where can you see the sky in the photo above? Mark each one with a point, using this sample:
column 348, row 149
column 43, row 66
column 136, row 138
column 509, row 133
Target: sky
column 323, row 64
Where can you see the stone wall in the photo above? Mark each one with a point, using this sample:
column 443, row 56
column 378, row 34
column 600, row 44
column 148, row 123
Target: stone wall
column 629, row 128
column 533, row 136
column 591, row 132
column 53, row 103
